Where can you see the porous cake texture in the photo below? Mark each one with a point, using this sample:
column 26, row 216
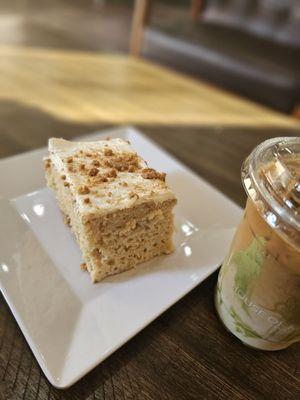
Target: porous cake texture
column 119, row 209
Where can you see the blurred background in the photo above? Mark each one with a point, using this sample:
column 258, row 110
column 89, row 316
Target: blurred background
column 72, row 66
column 248, row 46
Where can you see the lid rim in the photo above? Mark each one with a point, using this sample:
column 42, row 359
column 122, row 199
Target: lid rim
column 250, row 165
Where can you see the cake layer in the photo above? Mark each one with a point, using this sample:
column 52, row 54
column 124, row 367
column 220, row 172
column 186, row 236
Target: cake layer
column 129, row 237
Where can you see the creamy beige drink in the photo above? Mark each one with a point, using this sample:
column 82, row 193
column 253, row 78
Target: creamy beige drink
column 258, row 291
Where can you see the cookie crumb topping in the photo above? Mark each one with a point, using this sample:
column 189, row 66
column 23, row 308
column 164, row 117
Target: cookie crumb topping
column 150, row 173
column 108, row 152
column 93, row 172
column 83, row 190
column 83, row 266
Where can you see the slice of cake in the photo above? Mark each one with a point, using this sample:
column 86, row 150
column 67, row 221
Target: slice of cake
column 119, row 209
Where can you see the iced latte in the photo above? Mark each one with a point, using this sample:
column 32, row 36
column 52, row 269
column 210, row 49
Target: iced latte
column 258, row 290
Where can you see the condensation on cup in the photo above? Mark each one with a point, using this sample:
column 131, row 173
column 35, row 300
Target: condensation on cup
column 258, row 290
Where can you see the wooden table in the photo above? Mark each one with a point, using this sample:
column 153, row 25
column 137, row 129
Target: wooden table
column 186, row 353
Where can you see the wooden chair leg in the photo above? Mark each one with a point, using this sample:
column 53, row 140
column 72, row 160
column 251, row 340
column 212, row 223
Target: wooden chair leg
column 196, row 8
column 296, row 111
column 141, row 15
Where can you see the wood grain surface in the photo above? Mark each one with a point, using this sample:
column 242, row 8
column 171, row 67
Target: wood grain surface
column 102, row 88
column 186, row 353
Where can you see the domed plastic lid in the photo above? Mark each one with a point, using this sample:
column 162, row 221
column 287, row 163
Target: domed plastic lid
column 271, row 177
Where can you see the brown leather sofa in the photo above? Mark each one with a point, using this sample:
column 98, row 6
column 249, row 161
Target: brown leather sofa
column 251, row 47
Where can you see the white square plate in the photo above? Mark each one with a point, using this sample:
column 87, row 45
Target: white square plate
column 70, row 324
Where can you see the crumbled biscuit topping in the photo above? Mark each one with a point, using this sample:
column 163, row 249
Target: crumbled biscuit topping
column 83, row 266
column 110, row 173
column 149, row 173
column 108, row 152
column 93, row 172
column 131, row 168
column 99, row 179
column 83, row 190
column 47, row 163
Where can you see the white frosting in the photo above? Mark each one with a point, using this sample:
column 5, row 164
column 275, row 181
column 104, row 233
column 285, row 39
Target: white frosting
column 66, row 148
column 108, row 196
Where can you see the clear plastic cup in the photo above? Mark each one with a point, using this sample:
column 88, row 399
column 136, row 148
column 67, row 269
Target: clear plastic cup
column 258, row 290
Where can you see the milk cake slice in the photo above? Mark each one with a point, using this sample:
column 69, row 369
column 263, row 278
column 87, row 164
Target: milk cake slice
column 119, row 209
